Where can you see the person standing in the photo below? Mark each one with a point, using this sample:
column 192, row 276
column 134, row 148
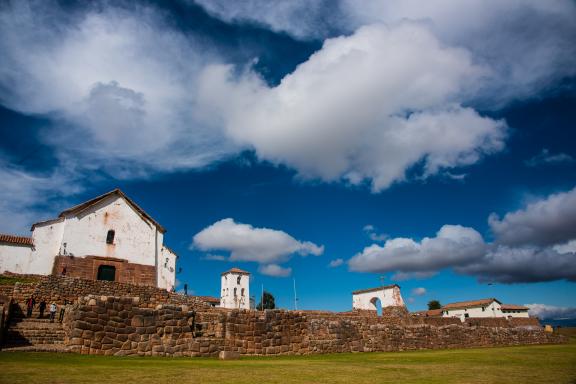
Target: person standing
column 62, row 310
column 52, row 311
column 42, row 308
column 30, row 303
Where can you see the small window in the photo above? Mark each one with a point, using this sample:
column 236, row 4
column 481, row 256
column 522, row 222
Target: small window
column 234, row 292
column 242, row 292
column 483, row 309
column 110, row 237
column 238, row 280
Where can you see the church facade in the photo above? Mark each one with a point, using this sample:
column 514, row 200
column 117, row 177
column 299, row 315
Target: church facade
column 106, row 238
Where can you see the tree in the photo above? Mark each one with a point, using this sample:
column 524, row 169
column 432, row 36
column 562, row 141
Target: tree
column 434, row 304
column 268, row 300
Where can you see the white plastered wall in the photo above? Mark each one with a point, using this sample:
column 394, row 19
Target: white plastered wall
column 389, row 296
column 235, row 291
column 166, row 269
column 14, row 257
column 491, row 310
column 136, row 239
column 515, row 313
column 47, row 238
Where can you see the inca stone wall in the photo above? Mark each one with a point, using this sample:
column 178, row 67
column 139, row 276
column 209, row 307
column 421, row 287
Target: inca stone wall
column 127, row 326
column 119, row 326
column 58, row 288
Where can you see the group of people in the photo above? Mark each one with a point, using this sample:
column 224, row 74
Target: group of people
column 31, row 303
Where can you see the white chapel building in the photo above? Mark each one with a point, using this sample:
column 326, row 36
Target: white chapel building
column 106, row 238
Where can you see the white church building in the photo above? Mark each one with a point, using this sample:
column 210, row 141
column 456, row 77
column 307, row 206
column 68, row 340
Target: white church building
column 106, row 238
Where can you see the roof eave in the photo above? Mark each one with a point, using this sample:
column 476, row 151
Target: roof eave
column 81, row 207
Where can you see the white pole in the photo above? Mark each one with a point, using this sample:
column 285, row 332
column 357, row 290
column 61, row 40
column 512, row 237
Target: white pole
column 295, row 297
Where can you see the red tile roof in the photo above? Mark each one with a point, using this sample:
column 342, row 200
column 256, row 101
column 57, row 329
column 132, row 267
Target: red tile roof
column 210, row 299
column 236, row 270
column 11, row 239
column 513, row 307
column 375, row 289
column 429, row 313
column 470, row 304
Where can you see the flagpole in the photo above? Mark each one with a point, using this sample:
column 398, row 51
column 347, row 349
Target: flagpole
column 295, row 297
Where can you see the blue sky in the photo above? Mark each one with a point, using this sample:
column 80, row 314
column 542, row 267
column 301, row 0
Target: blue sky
column 379, row 137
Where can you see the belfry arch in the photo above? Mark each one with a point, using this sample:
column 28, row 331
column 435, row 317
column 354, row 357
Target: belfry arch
column 373, row 299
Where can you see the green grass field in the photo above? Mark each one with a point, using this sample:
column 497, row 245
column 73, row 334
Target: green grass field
column 534, row 364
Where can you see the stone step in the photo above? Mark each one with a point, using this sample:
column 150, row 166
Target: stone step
column 33, row 341
column 47, row 328
column 55, row 335
column 34, row 319
column 33, row 324
column 57, row 348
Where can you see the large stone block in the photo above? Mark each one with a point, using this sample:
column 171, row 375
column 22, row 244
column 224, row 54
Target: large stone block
column 228, row 355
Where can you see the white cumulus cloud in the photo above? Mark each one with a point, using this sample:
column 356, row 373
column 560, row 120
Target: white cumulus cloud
column 537, row 243
column 27, row 197
column 522, row 264
column 336, row 263
column 548, row 312
column 419, row 291
column 265, row 246
column 118, row 84
column 548, row 221
column 527, row 44
column 366, row 107
column 545, row 157
column 453, row 245
column 274, row 270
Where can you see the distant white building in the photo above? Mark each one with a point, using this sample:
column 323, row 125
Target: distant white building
column 483, row 308
column 106, row 238
column 513, row 310
column 235, row 293
column 367, row 299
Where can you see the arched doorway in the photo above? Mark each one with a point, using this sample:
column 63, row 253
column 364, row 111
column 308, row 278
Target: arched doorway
column 106, row 272
column 377, row 305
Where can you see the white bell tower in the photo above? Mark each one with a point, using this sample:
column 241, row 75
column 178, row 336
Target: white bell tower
column 235, row 291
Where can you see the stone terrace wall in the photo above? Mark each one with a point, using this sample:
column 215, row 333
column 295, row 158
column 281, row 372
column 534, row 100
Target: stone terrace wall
column 525, row 322
column 119, row 326
column 488, row 322
column 122, row 326
column 59, row 288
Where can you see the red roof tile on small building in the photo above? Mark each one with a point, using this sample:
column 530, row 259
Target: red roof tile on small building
column 236, row 270
column 210, row 299
column 470, row 304
column 513, row 307
column 429, row 313
column 12, row 239
column 375, row 289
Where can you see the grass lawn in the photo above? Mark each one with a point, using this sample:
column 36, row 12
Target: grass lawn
column 533, row 364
